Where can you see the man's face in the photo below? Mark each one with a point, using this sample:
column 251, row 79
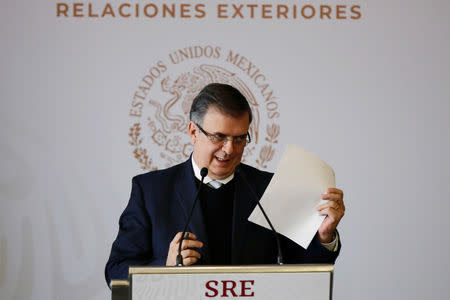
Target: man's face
column 222, row 158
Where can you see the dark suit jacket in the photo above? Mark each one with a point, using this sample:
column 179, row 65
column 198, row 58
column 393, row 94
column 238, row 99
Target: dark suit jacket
column 159, row 204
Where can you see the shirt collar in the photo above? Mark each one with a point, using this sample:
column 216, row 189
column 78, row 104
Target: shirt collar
column 207, row 178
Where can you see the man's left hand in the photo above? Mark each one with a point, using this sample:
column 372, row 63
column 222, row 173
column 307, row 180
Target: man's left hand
column 334, row 211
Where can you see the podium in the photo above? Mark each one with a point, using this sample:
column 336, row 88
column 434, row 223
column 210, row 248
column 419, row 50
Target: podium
column 286, row 282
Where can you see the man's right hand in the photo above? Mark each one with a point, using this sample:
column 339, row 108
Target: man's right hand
column 190, row 256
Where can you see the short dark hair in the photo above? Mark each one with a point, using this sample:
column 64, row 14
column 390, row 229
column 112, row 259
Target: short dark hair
column 224, row 97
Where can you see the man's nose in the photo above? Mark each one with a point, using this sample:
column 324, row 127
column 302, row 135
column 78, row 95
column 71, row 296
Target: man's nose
column 228, row 146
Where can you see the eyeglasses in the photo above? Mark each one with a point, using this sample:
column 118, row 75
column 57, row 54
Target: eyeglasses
column 219, row 138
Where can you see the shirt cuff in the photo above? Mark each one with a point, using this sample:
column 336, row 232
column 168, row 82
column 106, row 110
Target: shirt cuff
column 333, row 245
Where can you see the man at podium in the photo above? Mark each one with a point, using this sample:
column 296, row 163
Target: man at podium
column 219, row 232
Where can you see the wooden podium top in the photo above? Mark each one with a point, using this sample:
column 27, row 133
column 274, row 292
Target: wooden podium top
column 232, row 269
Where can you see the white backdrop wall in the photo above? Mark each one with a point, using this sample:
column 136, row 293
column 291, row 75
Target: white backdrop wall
column 370, row 96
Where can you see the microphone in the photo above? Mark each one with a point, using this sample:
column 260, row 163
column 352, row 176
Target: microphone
column 203, row 173
column 239, row 171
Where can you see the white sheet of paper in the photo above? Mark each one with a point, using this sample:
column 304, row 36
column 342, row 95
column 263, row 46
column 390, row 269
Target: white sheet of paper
column 293, row 194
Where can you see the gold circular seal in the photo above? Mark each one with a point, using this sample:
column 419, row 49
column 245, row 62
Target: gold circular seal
column 159, row 113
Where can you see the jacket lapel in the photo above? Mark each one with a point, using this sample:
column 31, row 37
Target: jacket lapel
column 186, row 189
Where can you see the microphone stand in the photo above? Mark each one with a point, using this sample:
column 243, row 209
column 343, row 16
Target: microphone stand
column 203, row 173
column 277, row 238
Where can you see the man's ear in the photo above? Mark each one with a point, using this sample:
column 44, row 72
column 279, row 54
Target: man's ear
column 192, row 130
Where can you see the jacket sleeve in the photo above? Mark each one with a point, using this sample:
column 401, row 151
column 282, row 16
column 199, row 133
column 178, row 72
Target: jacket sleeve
column 316, row 253
column 133, row 245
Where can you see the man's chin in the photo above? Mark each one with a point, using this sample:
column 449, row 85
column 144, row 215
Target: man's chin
column 220, row 173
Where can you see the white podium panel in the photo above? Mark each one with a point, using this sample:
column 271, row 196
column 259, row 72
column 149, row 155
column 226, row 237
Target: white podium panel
column 237, row 282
